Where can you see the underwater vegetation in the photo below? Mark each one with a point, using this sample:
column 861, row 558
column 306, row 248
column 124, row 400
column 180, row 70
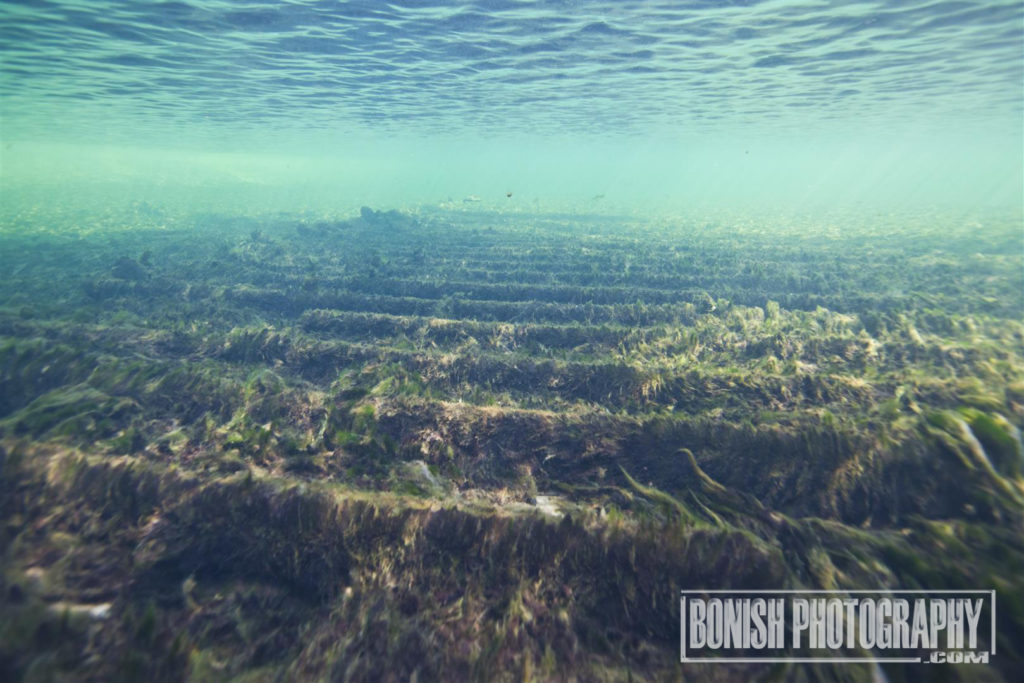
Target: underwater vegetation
column 464, row 446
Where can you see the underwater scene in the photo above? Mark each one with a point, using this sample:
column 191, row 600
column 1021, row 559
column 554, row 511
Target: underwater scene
column 513, row 340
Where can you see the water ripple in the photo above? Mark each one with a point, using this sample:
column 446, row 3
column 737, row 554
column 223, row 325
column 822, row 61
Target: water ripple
column 535, row 65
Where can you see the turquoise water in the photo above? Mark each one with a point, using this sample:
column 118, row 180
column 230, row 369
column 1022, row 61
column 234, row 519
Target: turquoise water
column 450, row 341
column 646, row 105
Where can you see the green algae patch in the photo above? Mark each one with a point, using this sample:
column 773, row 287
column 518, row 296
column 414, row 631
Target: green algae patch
column 297, row 448
column 1001, row 440
column 79, row 413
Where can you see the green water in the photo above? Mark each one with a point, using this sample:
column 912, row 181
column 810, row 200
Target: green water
column 656, row 107
column 452, row 340
column 958, row 172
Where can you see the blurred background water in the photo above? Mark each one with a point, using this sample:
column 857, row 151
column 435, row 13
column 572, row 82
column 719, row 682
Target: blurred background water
column 568, row 104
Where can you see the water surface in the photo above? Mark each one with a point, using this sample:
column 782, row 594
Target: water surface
column 644, row 102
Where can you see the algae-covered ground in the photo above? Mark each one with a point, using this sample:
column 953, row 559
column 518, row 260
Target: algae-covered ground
column 457, row 445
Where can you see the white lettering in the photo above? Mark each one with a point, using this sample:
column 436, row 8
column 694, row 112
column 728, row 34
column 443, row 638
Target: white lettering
column 955, row 625
column 851, row 633
column 919, row 633
column 866, row 622
column 801, row 619
column 715, row 619
column 733, row 630
column 973, row 609
column 900, row 627
column 834, row 630
column 883, row 631
column 777, row 624
column 698, row 629
column 758, row 629
column 818, row 614
column 937, row 621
